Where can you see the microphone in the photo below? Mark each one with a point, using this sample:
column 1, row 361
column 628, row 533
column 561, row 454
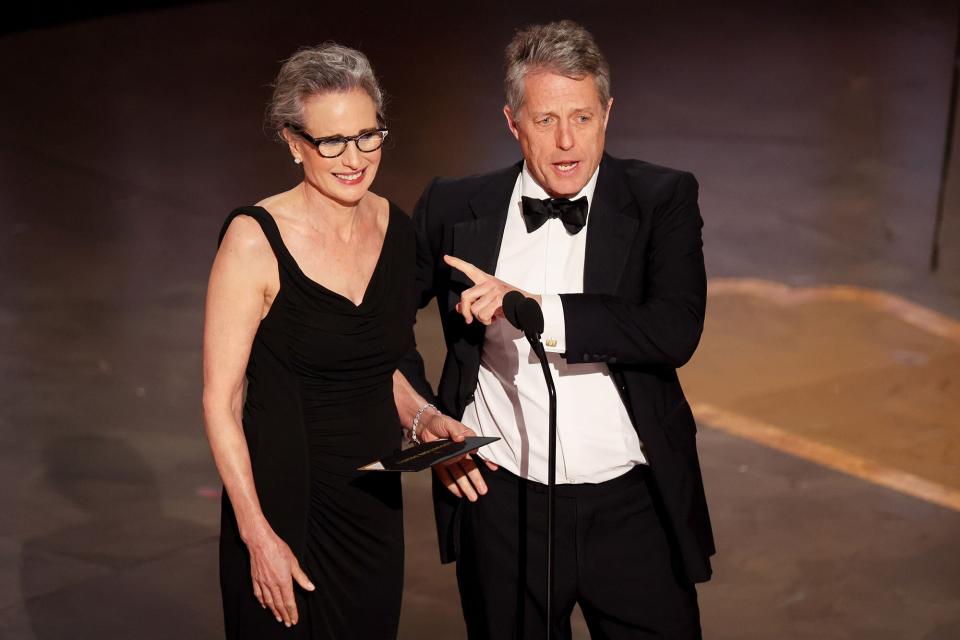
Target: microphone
column 523, row 313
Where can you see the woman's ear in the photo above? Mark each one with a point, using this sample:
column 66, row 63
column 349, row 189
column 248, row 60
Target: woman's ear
column 293, row 144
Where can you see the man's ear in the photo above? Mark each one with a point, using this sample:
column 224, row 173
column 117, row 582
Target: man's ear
column 511, row 121
column 606, row 115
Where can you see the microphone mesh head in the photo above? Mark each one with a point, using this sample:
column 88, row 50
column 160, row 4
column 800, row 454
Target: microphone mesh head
column 530, row 316
column 512, row 302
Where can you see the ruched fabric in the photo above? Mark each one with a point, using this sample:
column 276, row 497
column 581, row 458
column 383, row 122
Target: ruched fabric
column 320, row 404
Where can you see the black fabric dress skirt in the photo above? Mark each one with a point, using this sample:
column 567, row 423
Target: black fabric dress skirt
column 319, row 404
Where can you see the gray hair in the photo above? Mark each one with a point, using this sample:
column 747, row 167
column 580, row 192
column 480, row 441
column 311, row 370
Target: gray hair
column 562, row 47
column 326, row 68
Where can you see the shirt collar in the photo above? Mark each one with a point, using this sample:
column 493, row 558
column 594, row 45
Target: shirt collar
column 530, row 189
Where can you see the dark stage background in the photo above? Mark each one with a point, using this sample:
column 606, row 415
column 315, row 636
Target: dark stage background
column 816, row 129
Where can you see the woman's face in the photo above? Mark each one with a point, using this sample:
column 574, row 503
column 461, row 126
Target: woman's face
column 347, row 177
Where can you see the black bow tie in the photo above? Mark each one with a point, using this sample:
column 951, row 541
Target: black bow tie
column 572, row 213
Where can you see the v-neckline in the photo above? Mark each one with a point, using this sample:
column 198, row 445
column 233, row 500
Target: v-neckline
column 373, row 274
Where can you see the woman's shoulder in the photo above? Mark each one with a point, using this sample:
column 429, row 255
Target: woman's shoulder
column 272, row 215
column 403, row 225
column 278, row 202
column 395, row 214
column 390, row 215
column 255, row 230
column 244, row 234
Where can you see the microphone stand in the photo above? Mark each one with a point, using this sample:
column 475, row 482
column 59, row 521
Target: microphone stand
column 526, row 315
column 537, row 346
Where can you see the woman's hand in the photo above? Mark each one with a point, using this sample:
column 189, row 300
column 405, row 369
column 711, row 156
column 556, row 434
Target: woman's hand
column 273, row 568
column 459, row 475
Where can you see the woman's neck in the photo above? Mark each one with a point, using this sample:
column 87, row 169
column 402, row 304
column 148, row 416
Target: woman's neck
column 324, row 212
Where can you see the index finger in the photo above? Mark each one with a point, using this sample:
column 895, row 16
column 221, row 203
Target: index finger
column 476, row 275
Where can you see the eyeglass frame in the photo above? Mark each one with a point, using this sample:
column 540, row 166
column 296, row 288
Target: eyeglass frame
column 346, row 140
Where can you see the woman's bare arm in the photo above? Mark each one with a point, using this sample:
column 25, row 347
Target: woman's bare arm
column 235, row 304
column 242, row 284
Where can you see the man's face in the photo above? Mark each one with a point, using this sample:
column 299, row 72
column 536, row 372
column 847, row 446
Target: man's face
column 561, row 128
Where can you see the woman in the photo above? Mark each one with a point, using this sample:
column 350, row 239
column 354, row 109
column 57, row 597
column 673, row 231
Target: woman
column 311, row 298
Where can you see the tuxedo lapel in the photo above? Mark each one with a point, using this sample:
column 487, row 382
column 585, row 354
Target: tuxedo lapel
column 611, row 226
column 478, row 241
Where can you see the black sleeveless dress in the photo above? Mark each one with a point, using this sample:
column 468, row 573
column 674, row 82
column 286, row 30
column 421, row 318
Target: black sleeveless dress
column 319, row 404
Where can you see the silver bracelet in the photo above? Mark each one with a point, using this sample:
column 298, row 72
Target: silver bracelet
column 414, row 436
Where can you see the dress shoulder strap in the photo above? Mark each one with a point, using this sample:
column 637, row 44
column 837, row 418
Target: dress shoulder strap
column 267, row 224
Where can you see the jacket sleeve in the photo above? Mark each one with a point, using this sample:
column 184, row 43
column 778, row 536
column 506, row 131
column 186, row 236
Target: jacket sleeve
column 664, row 327
column 411, row 365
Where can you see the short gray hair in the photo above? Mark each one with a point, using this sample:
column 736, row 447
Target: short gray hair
column 326, row 68
column 562, row 47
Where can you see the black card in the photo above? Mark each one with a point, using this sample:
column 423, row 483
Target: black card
column 427, row 454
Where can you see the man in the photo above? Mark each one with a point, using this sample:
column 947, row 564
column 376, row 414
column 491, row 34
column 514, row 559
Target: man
column 612, row 251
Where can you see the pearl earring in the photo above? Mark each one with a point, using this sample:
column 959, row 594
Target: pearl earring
column 297, row 160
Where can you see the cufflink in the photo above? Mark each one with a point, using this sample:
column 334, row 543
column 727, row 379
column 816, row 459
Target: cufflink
column 551, row 342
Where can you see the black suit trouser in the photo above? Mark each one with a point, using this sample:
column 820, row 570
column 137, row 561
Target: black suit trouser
column 613, row 558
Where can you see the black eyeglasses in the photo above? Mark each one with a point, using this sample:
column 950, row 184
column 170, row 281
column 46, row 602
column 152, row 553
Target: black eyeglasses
column 333, row 146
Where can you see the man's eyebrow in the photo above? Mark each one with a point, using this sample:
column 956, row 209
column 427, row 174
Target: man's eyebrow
column 538, row 114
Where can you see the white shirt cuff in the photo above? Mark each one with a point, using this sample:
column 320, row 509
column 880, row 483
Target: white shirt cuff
column 554, row 328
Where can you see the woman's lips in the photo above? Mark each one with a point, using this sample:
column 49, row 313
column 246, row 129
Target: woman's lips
column 350, row 178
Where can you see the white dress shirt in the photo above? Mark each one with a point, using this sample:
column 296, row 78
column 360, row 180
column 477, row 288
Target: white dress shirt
column 595, row 438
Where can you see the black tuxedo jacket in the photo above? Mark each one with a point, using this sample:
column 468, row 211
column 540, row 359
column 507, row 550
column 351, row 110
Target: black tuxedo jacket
column 641, row 313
